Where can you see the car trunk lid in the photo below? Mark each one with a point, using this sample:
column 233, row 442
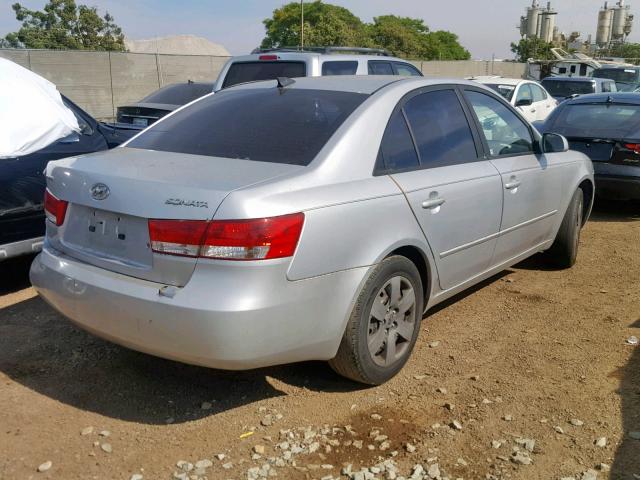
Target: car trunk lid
column 113, row 195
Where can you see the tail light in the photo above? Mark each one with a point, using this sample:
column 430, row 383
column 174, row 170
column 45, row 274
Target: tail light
column 54, row 208
column 254, row 239
column 268, row 57
column 634, row 147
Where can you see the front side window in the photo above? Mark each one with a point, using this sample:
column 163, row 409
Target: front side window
column 376, row 67
column 406, row 70
column 263, row 124
column 524, row 94
column 503, row 130
column 440, row 129
column 339, row 68
column 242, row 72
column 397, row 150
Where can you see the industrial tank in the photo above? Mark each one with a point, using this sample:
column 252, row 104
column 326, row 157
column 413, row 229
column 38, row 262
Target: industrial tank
column 532, row 19
column 620, row 12
column 605, row 20
column 547, row 23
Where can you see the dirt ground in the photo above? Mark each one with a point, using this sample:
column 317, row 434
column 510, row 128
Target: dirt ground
column 520, row 356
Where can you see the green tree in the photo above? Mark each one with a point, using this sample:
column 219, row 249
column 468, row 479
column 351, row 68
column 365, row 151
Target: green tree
column 330, row 25
column 64, row 25
column 324, row 24
column 629, row 51
column 410, row 38
column 528, row 48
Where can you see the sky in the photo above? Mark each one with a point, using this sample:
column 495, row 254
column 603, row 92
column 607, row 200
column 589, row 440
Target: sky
column 485, row 27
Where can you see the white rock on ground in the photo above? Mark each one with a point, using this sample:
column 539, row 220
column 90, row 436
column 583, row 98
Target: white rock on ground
column 45, row 466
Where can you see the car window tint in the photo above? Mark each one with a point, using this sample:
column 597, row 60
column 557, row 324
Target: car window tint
column 339, row 68
column 539, row 95
column 263, row 124
column 568, row 88
column 397, row 149
column 524, row 93
column 596, row 120
column 503, row 130
column 606, row 86
column 405, row 70
column 380, row 68
column 440, row 128
column 242, row 72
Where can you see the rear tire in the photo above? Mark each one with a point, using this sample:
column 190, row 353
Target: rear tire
column 564, row 251
column 384, row 324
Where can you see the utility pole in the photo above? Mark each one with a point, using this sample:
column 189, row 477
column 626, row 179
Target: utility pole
column 301, row 24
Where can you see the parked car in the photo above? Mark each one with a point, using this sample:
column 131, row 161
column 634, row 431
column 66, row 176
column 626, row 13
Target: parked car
column 627, row 78
column 161, row 102
column 22, row 181
column 533, row 101
column 606, row 128
column 562, row 88
column 277, row 222
column 268, row 64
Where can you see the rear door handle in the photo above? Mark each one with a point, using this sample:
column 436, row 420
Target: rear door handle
column 433, row 202
column 512, row 184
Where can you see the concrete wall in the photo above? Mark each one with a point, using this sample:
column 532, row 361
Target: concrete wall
column 101, row 81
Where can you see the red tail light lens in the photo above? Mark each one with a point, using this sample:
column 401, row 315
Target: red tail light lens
column 54, row 208
column 635, row 147
column 268, row 57
column 254, row 239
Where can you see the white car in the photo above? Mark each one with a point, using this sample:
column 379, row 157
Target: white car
column 530, row 98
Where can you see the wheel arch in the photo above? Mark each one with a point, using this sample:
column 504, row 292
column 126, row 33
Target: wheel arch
column 420, row 260
column 588, row 192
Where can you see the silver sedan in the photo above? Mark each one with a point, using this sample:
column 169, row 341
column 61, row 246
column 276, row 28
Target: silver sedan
column 316, row 218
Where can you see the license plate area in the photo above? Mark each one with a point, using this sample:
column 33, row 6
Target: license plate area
column 108, row 235
column 597, row 152
column 140, row 122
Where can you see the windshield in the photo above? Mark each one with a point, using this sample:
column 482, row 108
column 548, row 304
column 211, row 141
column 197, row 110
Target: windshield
column 242, row 72
column 559, row 88
column 179, row 94
column 602, row 120
column 505, row 90
column 263, row 124
column 626, row 78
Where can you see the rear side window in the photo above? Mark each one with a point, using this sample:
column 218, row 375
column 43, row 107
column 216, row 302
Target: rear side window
column 440, row 128
column 376, row 67
column 608, row 87
column 339, row 68
column 539, row 95
column 397, row 149
column 243, row 72
column 406, row 70
column 524, row 93
column 262, row 124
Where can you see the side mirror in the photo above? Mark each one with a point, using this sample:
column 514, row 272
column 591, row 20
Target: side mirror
column 554, row 143
column 524, row 102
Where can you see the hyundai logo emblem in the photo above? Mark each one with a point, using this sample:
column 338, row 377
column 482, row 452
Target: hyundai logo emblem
column 100, row 191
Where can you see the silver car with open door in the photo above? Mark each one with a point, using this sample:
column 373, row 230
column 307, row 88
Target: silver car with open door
column 319, row 218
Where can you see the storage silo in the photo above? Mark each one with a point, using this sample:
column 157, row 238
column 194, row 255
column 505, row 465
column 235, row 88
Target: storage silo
column 620, row 12
column 605, row 20
column 548, row 23
column 532, row 19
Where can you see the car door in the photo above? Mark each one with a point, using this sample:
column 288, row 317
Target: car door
column 431, row 151
column 542, row 102
column 523, row 101
column 531, row 186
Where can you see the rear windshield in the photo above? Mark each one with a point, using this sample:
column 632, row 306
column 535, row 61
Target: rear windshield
column 619, row 75
column 596, row 120
column 505, row 90
column 559, row 88
column 179, row 94
column 265, row 124
column 242, row 72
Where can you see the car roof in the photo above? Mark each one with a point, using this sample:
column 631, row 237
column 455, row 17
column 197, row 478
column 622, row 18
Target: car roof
column 301, row 56
column 488, row 79
column 367, row 84
column 613, row 97
column 577, row 79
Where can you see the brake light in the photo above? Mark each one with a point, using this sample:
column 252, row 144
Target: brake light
column 54, row 208
column 268, row 57
column 634, row 147
column 254, row 239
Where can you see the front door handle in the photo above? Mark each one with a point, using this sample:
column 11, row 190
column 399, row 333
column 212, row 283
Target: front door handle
column 433, row 202
column 512, row 184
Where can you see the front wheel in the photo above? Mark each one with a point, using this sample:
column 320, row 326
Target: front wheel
column 384, row 324
column 564, row 250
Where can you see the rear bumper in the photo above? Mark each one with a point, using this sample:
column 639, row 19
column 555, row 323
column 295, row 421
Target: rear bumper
column 230, row 315
column 23, row 247
column 618, row 187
